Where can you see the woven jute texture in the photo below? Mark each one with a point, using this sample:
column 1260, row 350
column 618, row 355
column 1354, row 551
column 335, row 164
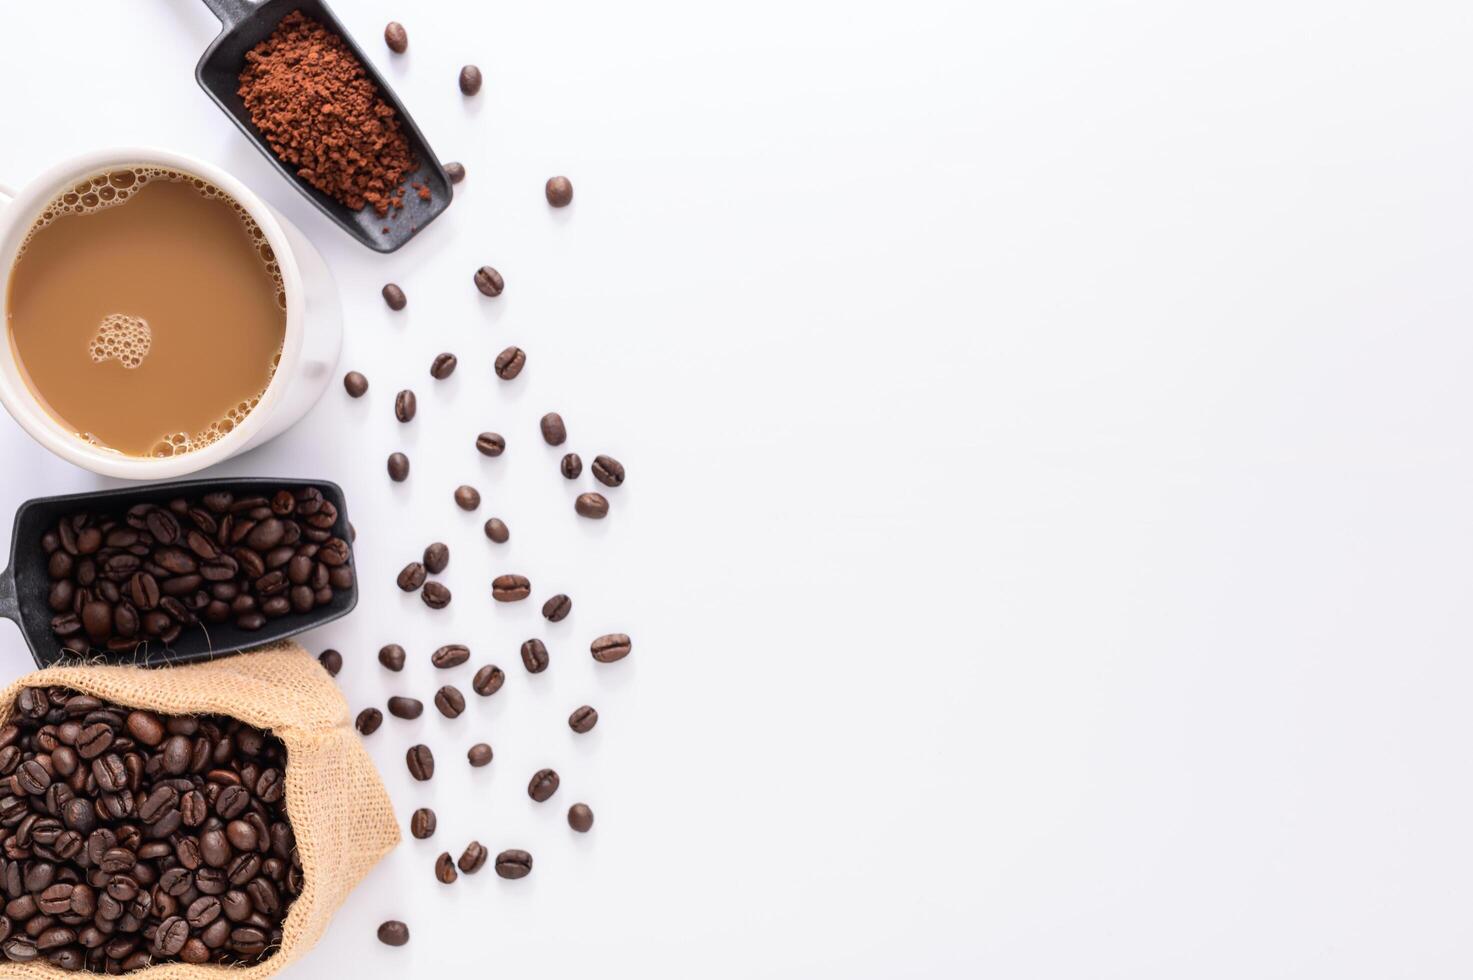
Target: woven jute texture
column 337, row 805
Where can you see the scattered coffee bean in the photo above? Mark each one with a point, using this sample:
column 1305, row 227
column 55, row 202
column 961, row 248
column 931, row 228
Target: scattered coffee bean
column 405, row 405
column 398, row 467
column 397, row 38
column 355, row 384
column 450, row 655
column 470, row 79
column 393, row 932
column 395, row 297
column 489, row 281
column 437, row 558
column 368, row 721
column 490, row 444
column 455, row 171
column 554, row 432
column 392, row 657
column 406, row 708
column 412, row 577
column 544, row 783
column 534, row 656
column 422, row 823
column 473, row 859
column 488, row 680
column 513, row 864
column 497, row 530
column 608, row 471
column 479, row 755
column 467, row 497
column 435, row 595
column 449, row 701
column 556, row 609
column 572, row 466
column 583, row 719
column 509, row 363
column 443, row 366
column 331, row 661
column 580, row 817
column 421, row 762
column 445, row 868
column 559, row 191
column 592, row 505
column 510, row 588
column 611, row 647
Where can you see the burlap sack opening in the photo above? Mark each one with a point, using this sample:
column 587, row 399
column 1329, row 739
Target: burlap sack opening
column 338, row 808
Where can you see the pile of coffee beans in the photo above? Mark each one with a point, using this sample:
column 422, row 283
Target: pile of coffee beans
column 133, row 838
column 119, row 581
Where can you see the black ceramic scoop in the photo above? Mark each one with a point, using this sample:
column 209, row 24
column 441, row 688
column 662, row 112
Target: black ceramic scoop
column 25, row 586
column 247, row 24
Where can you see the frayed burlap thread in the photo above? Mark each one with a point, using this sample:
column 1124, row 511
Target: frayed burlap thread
column 338, row 807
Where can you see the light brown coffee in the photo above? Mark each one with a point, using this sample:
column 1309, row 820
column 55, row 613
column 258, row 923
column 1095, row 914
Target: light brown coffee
column 146, row 311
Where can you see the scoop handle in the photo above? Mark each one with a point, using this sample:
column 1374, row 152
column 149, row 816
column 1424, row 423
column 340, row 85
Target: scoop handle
column 9, row 605
column 231, row 12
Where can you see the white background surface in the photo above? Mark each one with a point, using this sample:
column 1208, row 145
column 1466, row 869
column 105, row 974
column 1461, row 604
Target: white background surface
column 1047, row 539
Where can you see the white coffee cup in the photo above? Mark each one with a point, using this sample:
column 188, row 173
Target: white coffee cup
column 310, row 348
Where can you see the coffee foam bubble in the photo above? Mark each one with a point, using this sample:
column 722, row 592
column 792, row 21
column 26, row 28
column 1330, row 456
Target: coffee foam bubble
column 122, row 338
column 179, row 443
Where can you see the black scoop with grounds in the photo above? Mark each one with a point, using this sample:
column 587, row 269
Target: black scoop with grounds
column 247, row 24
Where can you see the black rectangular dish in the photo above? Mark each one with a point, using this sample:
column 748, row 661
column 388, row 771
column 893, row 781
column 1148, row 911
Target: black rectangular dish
column 244, row 25
column 26, row 586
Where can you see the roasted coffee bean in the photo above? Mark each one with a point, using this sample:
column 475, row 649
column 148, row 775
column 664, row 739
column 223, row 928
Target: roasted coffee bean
column 355, row 384
column 559, row 191
column 405, row 405
column 554, row 432
column 455, row 171
column 490, row 444
column 580, row 817
column 443, row 366
column 368, row 721
column 472, row 859
column 450, row 655
column 393, row 932
column 509, row 363
column 449, row 701
column 488, row 680
column 171, row 936
column 467, row 497
column 421, row 762
column 479, row 755
column 422, row 823
column 571, row 466
column 534, row 656
column 445, row 868
column 437, row 558
column 470, row 79
column 489, row 281
column 331, row 661
column 556, row 609
column 608, row 471
column 395, row 297
column 510, row 588
column 398, row 467
column 513, row 864
column 592, row 505
column 407, row 708
column 544, row 783
column 392, row 657
column 583, row 719
column 497, row 531
column 398, row 41
column 610, row 647
column 412, row 577
column 435, row 595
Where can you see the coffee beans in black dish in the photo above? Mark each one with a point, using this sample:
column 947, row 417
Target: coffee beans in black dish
column 134, row 839
column 123, row 581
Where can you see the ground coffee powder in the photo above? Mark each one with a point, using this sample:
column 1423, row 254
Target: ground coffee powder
column 313, row 101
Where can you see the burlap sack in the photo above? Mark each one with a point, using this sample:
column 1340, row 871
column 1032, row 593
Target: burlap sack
column 338, row 808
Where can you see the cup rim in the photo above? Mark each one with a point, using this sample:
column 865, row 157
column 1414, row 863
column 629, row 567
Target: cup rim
column 16, row 219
